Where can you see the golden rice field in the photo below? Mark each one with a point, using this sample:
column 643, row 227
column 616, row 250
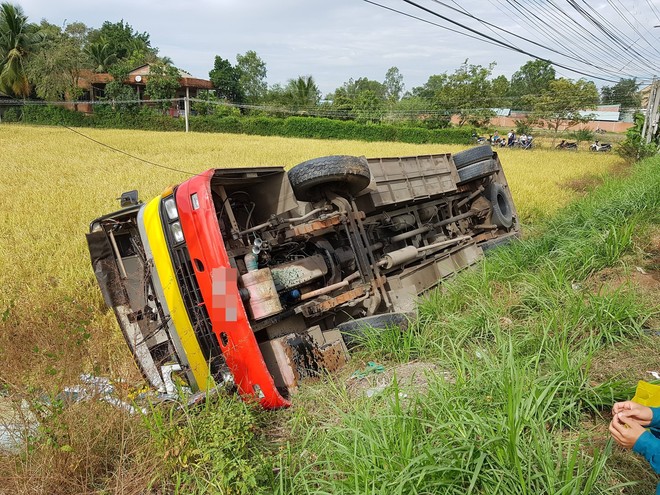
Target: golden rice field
column 53, row 182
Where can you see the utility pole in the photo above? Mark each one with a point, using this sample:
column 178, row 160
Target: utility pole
column 186, row 107
column 651, row 114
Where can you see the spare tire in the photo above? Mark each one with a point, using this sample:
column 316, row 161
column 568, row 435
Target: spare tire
column 502, row 209
column 477, row 170
column 343, row 174
column 472, row 155
column 352, row 330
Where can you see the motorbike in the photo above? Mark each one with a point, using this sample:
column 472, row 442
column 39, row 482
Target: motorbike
column 596, row 146
column 566, row 145
column 479, row 139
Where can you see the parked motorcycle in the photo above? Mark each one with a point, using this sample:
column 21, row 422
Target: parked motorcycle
column 596, row 146
column 567, row 145
column 479, row 139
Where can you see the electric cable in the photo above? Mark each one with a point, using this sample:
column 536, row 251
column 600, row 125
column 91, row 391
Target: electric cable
column 128, row 154
column 540, row 45
column 500, row 43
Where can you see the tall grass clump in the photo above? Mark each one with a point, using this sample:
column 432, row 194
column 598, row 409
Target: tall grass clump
column 216, row 447
column 495, row 431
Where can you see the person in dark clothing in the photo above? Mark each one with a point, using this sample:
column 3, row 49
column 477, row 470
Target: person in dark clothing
column 628, row 428
column 511, row 138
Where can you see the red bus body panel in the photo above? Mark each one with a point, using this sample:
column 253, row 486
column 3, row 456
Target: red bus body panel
column 219, row 287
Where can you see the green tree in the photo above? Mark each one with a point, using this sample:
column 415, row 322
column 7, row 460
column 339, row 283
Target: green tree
column 394, row 86
column 360, row 98
column 433, row 85
column 412, row 109
column 124, row 42
column 530, row 80
column 563, row 103
column 55, row 67
column 208, row 103
column 468, row 93
column 251, row 76
column 500, row 90
column 635, row 147
column 624, row 93
column 225, row 79
column 162, row 83
column 368, row 106
column 302, row 92
column 101, row 56
column 18, row 39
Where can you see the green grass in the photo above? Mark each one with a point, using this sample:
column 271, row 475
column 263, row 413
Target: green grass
column 518, row 335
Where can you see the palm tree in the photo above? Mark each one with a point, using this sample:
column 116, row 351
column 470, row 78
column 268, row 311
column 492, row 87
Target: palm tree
column 303, row 92
column 17, row 40
column 101, row 56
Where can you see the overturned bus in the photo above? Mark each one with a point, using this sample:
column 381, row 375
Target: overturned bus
column 261, row 277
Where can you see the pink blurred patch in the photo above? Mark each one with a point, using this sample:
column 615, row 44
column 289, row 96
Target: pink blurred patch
column 225, row 292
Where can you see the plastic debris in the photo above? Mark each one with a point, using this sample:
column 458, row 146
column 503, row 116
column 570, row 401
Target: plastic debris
column 97, row 387
column 17, row 423
column 371, row 369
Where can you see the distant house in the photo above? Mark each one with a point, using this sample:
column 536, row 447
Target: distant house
column 93, row 85
column 605, row 117
column 604, row 113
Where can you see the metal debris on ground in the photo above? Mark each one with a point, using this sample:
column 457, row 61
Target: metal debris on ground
column 100, row 388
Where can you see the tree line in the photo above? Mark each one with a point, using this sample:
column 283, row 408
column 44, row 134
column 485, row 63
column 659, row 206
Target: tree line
column 46, row 61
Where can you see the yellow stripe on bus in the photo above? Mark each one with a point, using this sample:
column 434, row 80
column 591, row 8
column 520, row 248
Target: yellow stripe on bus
column 154, row 229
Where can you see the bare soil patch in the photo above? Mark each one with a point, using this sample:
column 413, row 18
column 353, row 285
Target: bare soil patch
column 411, row 377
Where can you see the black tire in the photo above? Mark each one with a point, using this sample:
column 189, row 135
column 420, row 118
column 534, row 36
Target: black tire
column 477, row 170
column 351, row 331
column 473, row 155
column 342, row 174
column 502, row 209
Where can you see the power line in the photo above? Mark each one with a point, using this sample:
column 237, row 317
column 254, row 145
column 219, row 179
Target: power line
column 610, row 31
column 602, row 72
column 126, row 153
column 27, row 102
column 567, row 32
column 490, row 39
column 573, row 56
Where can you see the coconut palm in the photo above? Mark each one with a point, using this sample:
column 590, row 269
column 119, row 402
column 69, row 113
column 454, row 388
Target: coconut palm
column 101, row 56
column 17, row 39
column 303, row 92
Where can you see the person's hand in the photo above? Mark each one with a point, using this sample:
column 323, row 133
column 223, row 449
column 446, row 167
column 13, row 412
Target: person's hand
column 625, row 433
column 631, row 410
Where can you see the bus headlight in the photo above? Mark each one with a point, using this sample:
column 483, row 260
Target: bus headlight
column 170, row 208
column 177, row 232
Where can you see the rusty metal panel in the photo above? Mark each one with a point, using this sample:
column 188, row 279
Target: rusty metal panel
column 321, row 305
column 403, row 179
column 316, row 225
